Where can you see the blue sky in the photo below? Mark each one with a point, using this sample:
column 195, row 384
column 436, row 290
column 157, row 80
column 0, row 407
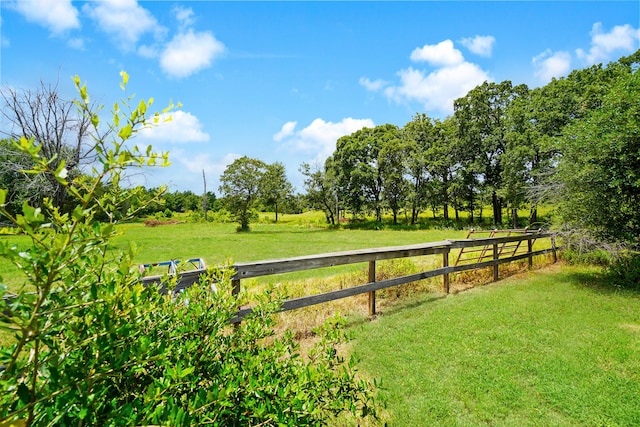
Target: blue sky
column 282, row 81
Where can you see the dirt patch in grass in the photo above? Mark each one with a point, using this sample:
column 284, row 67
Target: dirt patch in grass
column 156, row 222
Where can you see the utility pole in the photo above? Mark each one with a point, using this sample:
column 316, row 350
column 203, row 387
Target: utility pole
column 204, row 196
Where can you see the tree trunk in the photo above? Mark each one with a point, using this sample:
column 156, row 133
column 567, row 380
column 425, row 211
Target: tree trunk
column 533, row 216
column 497, row 208
column 414, row 204
column 204, row 195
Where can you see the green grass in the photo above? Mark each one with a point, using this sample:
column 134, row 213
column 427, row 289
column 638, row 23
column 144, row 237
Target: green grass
column 550, row 349
column 218, row 244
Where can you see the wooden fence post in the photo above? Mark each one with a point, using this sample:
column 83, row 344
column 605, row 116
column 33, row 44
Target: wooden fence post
column 529, row 250
column 445, row 276
column 553, row 248
column 372, row 294
column 495, row 262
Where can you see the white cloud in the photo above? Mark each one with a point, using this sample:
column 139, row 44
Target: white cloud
column 480, row 45
column 372, row 86
column 439, row 54
column 76, row 43
column 437, row 90
column 56, row 15
column 549, row 65
column 148, row 51
column 451, row 77
column 184, row 15
column 4, row 40
column 125, row 20
column 320, row 137
column 621, row 39
column 197, row 162
column 190, row 52
column 287, row 130
column 182, row 127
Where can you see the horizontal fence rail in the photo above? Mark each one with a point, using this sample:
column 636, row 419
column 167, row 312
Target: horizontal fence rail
column 491, row 245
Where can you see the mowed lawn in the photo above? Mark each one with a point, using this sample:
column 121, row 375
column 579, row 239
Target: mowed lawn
column 551, row 348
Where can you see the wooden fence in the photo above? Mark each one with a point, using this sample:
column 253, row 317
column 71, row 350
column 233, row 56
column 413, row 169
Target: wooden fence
column 493, row 245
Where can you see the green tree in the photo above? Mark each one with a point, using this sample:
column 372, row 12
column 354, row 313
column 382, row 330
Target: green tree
column 320, row 186
column 275, row 187
column 357, row 167
column 443, row 162
column 419, row 136
column 392, row 160
column 240, row 187
column 481, row 117
column 12, row 177
column 598, row 177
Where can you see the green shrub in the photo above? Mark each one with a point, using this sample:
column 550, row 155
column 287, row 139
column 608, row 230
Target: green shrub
column 624, row 271
column 598, row 257
column 93, row 346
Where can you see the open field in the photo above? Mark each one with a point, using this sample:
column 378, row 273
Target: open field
column 543, row 348
column 548, row 348
column 218, row 244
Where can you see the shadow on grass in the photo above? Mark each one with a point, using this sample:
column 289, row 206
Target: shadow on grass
column 596, row 281
column 395, row 307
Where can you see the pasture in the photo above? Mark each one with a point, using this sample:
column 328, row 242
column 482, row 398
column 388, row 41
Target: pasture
column 548, row 347
column 220, row 244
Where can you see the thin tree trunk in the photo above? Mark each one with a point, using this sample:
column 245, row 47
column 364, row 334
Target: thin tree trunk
column 204, row 195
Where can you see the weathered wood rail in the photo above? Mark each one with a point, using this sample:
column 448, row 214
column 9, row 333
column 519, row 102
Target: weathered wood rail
column 444, row 248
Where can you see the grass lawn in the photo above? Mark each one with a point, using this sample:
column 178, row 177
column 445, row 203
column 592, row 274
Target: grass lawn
column 220, row 243
column 547, row 349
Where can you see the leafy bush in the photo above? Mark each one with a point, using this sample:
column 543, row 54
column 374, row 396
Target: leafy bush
column 93, row 346
column 598, row 257
column 624, row 271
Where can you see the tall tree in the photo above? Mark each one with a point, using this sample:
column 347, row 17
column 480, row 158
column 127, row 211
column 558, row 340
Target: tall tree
column 275, row 187
column 320, row 186
column 240, row 188
column 443, row 162
column 392, row 159
column 482, row 128
column 57, row 127
column 419, row 136
column 357, row 167
column 598, row 178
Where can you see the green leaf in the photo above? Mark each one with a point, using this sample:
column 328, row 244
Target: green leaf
column 142, row 107
column 61, row 173
column 125, row 132
column 125, row 79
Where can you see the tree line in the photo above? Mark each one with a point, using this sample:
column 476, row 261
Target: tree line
column 506, row 146
column 573, row 143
